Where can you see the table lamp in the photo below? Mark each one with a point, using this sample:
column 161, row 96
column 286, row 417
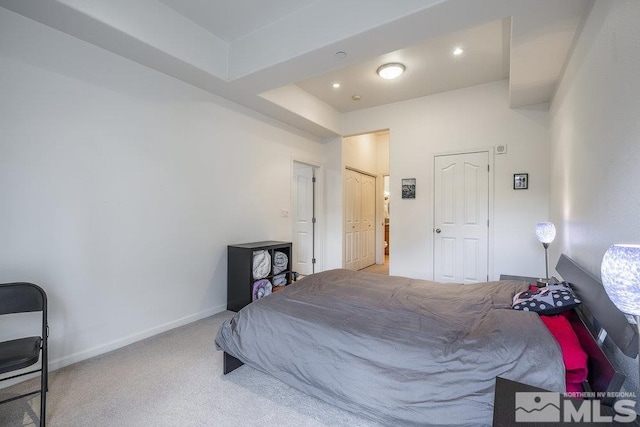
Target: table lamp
column 620, row 272
column 546, row 232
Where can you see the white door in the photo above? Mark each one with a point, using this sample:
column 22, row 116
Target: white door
column 302, row 261
column 461, row 218
column 368, row 218
column 352, row 219
column 359, row 220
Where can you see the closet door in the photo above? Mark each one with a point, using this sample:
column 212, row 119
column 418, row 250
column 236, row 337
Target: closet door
column 352, row 218
column 360, row 219
column 368, row 228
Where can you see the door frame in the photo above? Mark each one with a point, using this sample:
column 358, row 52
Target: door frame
column 318, row 229
column 380, row 254
column 490, row 236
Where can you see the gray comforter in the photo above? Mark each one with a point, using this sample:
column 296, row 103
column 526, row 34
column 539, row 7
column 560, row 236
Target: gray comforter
column 396, row 350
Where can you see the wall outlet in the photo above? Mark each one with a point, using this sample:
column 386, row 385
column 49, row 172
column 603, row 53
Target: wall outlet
column 284, row 213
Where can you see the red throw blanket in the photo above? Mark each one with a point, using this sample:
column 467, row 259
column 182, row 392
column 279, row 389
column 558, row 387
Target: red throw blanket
column 575, row 359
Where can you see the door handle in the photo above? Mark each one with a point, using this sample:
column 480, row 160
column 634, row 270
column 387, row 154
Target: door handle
column 438, row 230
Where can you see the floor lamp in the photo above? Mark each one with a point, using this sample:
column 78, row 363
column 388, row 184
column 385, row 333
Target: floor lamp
column 620, row 272
column 546, row 232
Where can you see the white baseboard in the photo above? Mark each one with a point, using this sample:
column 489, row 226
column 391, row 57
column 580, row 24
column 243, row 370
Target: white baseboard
column 114, row 345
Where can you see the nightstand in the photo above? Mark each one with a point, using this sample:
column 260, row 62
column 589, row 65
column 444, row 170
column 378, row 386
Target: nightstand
column 529, row 280
column 504, row 407
column 504, row 404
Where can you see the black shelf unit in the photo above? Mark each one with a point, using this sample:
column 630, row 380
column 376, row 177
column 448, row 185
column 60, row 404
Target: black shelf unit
column 240, row 270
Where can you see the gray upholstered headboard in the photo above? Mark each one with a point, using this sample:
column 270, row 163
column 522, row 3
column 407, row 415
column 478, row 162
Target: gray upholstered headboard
column 589, row 289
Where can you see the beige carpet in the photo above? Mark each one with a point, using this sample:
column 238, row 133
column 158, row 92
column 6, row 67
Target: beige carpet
column 378, row 268
column 172, row 379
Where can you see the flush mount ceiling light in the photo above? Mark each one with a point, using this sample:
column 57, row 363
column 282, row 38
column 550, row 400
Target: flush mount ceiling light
column 391, row 71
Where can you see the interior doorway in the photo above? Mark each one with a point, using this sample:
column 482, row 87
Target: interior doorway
column 368, row 155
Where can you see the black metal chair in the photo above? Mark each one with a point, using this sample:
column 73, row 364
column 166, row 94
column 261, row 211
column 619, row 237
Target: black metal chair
column 21, row 353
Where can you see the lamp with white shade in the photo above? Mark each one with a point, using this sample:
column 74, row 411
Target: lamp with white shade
column 620, row 272
column 546, row 232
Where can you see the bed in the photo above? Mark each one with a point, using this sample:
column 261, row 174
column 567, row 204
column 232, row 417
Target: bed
column 395, row 350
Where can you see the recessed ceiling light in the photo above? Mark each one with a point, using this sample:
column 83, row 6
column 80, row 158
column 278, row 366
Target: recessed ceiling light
column 341, row 55
column 391, row 71
column 458, row 51
column 336, row 85
column 356, row 97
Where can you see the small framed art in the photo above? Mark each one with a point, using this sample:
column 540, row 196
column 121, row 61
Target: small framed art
column 408, row 188
column 520, row 181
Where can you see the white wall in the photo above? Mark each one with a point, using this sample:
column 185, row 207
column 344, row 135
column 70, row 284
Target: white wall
column 368, row 152
column 121, row 187
column 467, row 119
column 360, row 152
column 595, row 145
column 333, row 199
column 382, row 140
column 595, row 137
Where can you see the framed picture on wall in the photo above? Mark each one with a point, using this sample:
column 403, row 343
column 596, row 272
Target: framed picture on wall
column 520, row 181
column 408, row 188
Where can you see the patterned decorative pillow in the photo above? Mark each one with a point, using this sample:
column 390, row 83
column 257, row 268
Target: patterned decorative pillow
column 551, row 299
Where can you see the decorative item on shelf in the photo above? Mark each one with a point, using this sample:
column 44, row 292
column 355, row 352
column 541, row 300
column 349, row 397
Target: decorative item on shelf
column 545, row 232
column 261, row 264
column 280, row 262
column 261, row 289
column 620, row 272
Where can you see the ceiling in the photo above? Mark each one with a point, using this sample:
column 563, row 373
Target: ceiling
column 431, row 67
column 233, row 20
column 280, row 57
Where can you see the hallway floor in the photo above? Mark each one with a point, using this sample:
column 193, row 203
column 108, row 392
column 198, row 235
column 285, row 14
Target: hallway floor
column 379, row 268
